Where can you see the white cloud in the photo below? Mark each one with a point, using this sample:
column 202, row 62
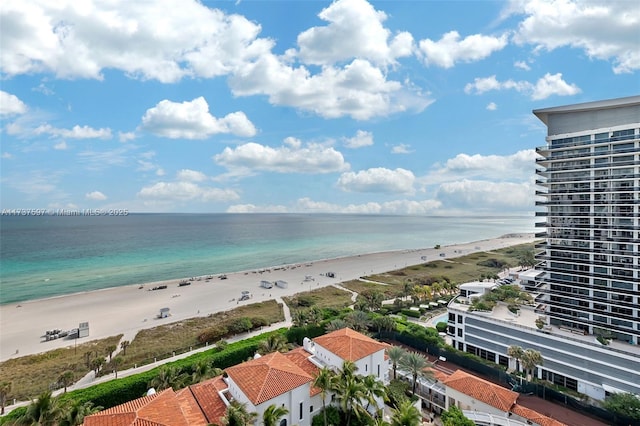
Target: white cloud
column 518, row 166
column 450, row 49
column 358, row 90
column 483, row 183
column 491, row 106
column 522, row 65
column 126, row 136
column 379, row 180
column 192, row 120
column 360, row 140
column 546, row 86
column 482, row 195
column 606, row 30
column 553, row 85
column 11, row 104
column 309, row 159
column 252, row 208
column 77, row 132
column 401, row 149
column 183, row 191
column 165, row 41
column 61, row 146
column 307, row 205
column 355, row 30
column 191, row 176
column 95, row 196
column 6, row 155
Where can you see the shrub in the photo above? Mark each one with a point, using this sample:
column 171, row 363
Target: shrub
column 333, row 417
column 213, row 334
column 442, row 327
column 240, row 325
column 410, row 313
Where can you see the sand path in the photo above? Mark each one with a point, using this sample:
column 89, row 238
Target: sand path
column 129, row 309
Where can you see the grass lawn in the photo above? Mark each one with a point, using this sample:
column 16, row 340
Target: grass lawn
column 33, row 374
column 325, row 297
column 459, row 270
column 180, row 336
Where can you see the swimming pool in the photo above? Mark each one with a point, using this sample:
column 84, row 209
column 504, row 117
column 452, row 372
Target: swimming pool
column 441, row 318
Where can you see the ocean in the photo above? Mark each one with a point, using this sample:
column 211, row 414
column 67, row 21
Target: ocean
column 45, row 256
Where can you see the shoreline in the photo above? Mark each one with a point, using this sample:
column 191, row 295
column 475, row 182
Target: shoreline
column 130, row 308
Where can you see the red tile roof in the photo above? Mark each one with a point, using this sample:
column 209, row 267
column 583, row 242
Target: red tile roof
column 300, row 357
column 161, row 409
column 207, row 397
column 349, row 345
column 535, row 417
column 264, row 378
column 482, row 390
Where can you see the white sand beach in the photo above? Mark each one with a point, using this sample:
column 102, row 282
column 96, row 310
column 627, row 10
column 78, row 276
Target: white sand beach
column 129, row 309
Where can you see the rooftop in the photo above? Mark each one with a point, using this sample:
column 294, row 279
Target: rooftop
column 268, row 376
column 349, row 344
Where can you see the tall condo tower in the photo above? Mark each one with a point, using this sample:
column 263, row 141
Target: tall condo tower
column 589, row 187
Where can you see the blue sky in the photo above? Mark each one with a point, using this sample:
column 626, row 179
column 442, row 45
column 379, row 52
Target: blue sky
column 382, row 107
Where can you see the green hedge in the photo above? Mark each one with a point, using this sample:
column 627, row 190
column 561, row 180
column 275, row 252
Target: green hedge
column 115, row 392
column 410, row 313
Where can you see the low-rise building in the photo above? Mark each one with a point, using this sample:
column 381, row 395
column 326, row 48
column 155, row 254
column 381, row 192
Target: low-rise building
column 281, row 379
column 570, row 359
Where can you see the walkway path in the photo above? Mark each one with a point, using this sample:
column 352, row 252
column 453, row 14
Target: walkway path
column 90, row 379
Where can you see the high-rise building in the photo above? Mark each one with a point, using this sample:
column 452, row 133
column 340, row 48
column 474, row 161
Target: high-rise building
column 589, row 176
column 585, row 316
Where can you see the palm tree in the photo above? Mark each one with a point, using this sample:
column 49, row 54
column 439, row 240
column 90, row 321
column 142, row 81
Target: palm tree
column 116, row 363
column 358, row 320
column 374, row 389
column 96, row 364
column 516, row 353
column 5, row 388
column 75, row 413
column 273, row 343
column 44, row 411
column 415, row 364
column 203, row 370
column 336, row 324
column 349, row 391
column 109, row 351
column 168, row 377
column 237, row 415
column 406, row 415
column 395, row 353
column 65, row 379
column 124, row 345
column 323, row 381
column 384, row 323
column 530, row 359
column 272, row 414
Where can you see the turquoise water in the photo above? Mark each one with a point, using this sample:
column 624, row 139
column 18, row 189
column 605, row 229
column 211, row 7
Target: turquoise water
column 46, row 256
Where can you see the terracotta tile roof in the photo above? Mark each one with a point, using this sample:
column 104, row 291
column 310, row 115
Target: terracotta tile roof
column 535, row 417
column 300, row 357
column 207, row 397
column 349, row 344
column 191, row 408
column 266, row 377
column 439, row 375
column 482, row 390
column 161, row 409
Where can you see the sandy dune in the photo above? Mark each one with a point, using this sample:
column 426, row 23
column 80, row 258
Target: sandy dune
column 130, row 309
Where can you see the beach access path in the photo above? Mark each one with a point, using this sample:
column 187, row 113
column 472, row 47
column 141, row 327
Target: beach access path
column 129, row 309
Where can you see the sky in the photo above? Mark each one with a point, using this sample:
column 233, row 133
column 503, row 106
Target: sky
column 380, row 107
